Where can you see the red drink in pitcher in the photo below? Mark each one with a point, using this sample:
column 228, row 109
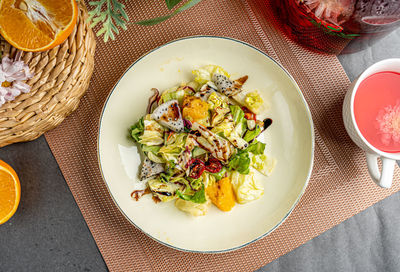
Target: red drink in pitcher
column 327, row 25
column 377, row 110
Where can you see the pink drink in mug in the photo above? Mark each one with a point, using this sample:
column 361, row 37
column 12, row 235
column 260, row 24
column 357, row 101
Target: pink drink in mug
column 371, row 116
column 377, row 110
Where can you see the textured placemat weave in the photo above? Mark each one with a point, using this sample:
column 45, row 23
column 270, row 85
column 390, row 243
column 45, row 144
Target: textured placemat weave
column 62, row 76
column 339, row 187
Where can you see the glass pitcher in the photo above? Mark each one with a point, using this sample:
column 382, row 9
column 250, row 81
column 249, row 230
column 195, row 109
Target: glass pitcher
column 328, row 25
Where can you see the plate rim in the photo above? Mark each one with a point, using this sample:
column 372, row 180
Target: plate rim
column 307, row 111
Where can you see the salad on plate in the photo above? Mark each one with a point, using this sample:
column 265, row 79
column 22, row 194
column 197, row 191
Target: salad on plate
column 199, row 141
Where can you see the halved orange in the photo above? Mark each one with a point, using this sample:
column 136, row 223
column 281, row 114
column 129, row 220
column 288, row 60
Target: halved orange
column 37, row 25
column 10, row 192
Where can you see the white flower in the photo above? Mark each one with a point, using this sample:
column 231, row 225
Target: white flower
column 12, row 75
column 388, row 122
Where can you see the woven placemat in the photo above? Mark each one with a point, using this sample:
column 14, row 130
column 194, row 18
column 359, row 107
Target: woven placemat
column 339, row 188
column 61, row 77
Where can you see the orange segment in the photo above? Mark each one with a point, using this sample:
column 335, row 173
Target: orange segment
column 194, row 109
column 10, row 192
column 221, row 194
column 37, row 25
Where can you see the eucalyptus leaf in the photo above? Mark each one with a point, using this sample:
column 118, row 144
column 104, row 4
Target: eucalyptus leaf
column 154, row 21
column 187, row 5
column 172, row 3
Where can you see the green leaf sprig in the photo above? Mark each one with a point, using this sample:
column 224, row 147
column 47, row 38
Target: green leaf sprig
column 112, row 16
column 170, row 4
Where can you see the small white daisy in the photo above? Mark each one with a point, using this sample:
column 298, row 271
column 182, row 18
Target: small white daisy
column 12, row 75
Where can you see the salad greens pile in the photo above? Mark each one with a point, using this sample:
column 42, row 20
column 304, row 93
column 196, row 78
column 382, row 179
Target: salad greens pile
column 199, row 142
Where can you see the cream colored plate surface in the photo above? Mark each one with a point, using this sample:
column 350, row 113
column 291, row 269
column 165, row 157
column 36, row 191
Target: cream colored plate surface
column 290, row 140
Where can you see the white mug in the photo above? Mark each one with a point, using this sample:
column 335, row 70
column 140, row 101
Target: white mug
column 382, row 178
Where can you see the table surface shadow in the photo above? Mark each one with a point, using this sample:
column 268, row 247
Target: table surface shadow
column 48, row 232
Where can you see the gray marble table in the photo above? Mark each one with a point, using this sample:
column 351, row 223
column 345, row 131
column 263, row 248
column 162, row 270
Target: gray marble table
column 48, row 233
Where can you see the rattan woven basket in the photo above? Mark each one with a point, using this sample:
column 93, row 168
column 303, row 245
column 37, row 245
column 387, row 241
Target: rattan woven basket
column 62, row 76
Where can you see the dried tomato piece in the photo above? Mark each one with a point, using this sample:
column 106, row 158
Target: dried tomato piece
column 213, row 165
column 196, row 168
column 248, row 114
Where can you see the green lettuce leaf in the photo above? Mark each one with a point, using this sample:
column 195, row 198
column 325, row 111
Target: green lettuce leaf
column 198, row 151
column 220, row 174
column 196, row 183
column 263, row 164
column 205, row 74
column 246, row 187
column 153, row 133
column 215, row 100
column 137, row 130
column 153, row 157
column 237, row 113
column 240, row 162
column 165, row 191
column 173, row 93
column 151, row 148
column 254, row 102
column 168, row 173
column 252, row 134
column 256, row 147
column 152, row 153
column 238, row 118
column 173, row 147
column 198, row 197
column 224, row 128
column 150, row 137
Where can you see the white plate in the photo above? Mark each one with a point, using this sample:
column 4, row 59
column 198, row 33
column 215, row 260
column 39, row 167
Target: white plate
column 290, row 140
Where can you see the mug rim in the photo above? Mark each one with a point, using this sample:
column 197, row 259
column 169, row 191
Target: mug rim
column 362, row 77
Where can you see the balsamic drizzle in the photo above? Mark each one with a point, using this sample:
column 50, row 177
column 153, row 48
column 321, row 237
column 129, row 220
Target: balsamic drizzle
column 267, row 123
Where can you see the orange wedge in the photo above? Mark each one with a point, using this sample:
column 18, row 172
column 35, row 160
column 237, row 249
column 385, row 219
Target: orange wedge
column 37, row 25
column 10, row 192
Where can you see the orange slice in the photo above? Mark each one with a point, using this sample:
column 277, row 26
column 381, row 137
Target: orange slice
column 37, row 25
column 10, row 192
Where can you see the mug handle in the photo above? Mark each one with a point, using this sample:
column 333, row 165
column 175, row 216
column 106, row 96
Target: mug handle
column 385, row 178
